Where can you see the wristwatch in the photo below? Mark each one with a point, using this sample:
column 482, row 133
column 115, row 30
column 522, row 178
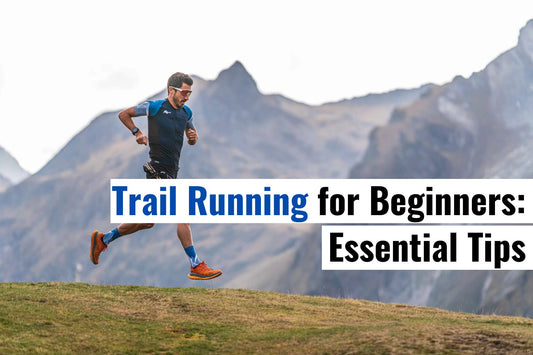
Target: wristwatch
column 134, row 130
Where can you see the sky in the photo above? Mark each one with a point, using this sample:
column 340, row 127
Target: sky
column 64, row 62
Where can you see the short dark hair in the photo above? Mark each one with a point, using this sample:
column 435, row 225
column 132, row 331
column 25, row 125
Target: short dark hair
column 177, row 80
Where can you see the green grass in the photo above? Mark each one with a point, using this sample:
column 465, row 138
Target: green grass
column 80, row 318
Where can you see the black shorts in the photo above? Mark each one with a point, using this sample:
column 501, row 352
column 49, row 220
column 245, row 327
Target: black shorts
column 157, row 171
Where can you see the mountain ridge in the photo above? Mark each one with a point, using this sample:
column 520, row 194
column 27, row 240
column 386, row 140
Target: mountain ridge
column 11, row 173
column 470, row 127
column 476, row 127
column 243, row 134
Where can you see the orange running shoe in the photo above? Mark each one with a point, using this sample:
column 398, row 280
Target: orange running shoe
column 97, row 246
column 203, row 272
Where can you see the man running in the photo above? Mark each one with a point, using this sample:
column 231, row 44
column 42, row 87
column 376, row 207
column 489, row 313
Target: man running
column 168, row 120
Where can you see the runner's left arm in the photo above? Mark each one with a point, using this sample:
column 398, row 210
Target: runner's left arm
column 190, row 132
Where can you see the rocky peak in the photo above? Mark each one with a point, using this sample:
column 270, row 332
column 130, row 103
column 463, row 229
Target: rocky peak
column 236, row 78
column 10, row 168
column 525, row 41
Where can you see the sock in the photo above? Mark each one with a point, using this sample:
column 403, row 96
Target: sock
column 111, row 235
column 191, row 253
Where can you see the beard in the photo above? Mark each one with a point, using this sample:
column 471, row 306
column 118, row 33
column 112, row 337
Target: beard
column 178, row 102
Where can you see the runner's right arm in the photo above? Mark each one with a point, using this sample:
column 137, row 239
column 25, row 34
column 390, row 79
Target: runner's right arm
column 126, row 119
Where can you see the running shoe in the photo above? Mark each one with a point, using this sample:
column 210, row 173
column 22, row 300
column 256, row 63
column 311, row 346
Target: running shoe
column 203, row 272
column 97, row 246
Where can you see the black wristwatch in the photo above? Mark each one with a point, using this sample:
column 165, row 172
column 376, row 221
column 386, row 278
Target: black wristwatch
column 134, row 130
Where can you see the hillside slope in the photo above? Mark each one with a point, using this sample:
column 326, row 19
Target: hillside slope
column 81, row 318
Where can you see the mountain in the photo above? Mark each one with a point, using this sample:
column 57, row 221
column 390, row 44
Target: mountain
column 4, row 183
column 471, row 127
column 10, row 170
column 466, row 128
column 476, row 127
column 47, row 219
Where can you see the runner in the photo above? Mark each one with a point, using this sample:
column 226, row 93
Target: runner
column 168, row 120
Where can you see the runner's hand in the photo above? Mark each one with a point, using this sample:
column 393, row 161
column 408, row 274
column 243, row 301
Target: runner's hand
column 141, row 138
column 192, row 136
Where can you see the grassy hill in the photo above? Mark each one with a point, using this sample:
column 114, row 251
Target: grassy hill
column 81, row 318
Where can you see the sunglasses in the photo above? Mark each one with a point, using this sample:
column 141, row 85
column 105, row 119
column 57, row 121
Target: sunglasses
column 183, row 91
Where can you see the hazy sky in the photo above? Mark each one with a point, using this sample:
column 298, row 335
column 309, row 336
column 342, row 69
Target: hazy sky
column 64, row 62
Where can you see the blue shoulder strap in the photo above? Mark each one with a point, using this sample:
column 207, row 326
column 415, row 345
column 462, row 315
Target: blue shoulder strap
column 154, row 107
column 188, row 110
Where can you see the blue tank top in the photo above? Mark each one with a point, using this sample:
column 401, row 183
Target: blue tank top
column 166, row 129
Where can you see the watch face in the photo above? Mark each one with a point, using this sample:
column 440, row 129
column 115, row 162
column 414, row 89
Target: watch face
column 134, row 131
